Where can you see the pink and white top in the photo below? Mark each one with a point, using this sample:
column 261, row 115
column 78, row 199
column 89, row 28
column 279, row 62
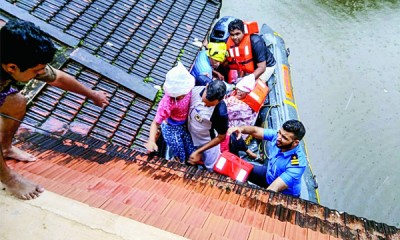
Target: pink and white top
column 169, row 107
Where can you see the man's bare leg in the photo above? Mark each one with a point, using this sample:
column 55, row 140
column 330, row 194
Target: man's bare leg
column 14, row 106
column 16, row 184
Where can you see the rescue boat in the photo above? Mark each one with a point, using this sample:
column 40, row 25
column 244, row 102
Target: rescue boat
column 280, row 104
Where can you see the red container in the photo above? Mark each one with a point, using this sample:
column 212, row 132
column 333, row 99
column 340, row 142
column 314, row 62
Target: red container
column 230, row 165
column 232, row 76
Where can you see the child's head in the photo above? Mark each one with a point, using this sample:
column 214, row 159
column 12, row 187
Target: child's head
column 216, row 52
column 178, row 82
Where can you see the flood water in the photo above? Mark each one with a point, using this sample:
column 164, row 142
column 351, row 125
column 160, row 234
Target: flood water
column 345, row 66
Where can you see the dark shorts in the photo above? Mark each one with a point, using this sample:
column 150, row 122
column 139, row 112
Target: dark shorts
column 3, row 95
column 258, row 176
column 236, row 145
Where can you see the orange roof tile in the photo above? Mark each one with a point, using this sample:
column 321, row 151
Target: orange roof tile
column 94, row 161
column 181, row 200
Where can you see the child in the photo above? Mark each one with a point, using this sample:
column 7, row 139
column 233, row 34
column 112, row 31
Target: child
column 208, row 60
column 172, row 114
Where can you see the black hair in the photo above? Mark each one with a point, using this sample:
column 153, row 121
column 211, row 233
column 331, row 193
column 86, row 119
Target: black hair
column 295, row 127
column 25, row 45
column 236, row 24
column 216, row 90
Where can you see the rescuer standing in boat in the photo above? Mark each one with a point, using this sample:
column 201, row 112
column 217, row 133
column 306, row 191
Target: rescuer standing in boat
column 25, row 54
column 247, row 51
column 287, row 160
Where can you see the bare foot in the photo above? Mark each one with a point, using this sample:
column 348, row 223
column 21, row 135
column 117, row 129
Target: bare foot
column 18, row 154
column 21, row 187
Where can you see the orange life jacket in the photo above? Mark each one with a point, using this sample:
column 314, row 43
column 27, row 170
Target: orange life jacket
column 241, row 57
column 255, row 99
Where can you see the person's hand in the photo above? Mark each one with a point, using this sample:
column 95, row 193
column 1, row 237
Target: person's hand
column 100, row 98
column 237, row 130
column 251, row 154
column 151, row 146
column 195, row 158
column 205, row 74
column 220, row 76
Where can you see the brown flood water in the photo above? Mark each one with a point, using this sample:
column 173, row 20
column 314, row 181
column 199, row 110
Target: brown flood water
column 345, row 70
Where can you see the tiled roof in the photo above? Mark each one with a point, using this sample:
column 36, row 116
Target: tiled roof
column 184, row 200
column 125, row 48
column 143, row 38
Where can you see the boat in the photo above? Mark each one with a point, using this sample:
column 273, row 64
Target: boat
column 280, row 104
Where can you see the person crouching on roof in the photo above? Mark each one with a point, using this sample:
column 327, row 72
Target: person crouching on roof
column 240, row 114
column 207, row 123
column 207, row 61
column 172, row 114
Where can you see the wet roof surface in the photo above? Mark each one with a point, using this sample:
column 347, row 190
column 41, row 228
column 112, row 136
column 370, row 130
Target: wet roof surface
column 183, row 200
column 125, row 48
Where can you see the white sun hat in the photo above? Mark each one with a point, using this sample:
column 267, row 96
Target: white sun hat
column 178, row 81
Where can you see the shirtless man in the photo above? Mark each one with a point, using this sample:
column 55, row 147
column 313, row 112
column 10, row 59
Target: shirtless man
column 25, row 54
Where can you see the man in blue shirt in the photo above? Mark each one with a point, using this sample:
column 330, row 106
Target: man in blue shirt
column 287, row 160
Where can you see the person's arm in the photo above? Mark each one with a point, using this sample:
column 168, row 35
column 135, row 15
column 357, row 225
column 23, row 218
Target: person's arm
column 163, row 113
column 69, row 83
column 218, row 74
column 278, row 185
column 259, row 50
column 254, row 131
column 151, row 144
column 260, row 69
column 251, row 154
column 195, row 157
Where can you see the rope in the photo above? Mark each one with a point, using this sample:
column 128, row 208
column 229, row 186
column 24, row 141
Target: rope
column 265, row 125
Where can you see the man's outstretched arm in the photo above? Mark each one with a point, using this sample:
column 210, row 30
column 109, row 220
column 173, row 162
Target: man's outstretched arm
column 254, row 131
column 69, row 83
